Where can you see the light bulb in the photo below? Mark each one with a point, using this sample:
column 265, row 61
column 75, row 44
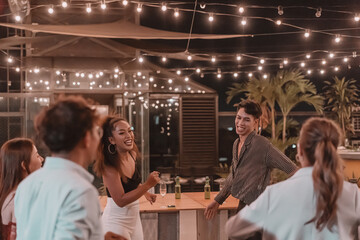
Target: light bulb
column 318, row 12
column 17, row 18
column 337, row 38
column 202, row 5
column 51, row 9
column 286, row 61
column 218, row 75
column 243, row 21
column 262, row 61
column 103, row 5
column 307, row 33
column 186, row 79
column 189, row 57
column 17, row 69
column 336, row 69
column 322, row 71
column 198, row 70
column 88, row 7
column 141, row 59
column 125, row 2
column 241, row 9
column 357, row 17
column 238, row 57
column 64, row 4
column 176, row 12
column 178, row 72
column 265, row 76
column 10, row 59
column 308, row 56
column 236, row 74
column 250, row 74
column 163, row 7
column 309, row 71
column 278, row 22
column 211, row 17
column 260, row 68
column 346, row 59
column 280, row 10
column 213, row 59
column 323, row 62
column 163, row 59
column 331, row 55
column 302, row 64
column 139, row 8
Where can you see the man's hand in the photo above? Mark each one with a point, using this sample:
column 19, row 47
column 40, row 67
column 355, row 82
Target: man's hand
column 150, row 197
column 113, row 236
column 211, row 210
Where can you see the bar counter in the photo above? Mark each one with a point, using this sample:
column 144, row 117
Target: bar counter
column 184, row 219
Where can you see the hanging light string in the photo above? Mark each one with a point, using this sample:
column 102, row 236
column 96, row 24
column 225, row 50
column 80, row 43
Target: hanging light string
column 191, row 27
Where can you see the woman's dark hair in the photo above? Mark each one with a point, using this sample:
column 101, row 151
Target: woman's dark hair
column 250, row 107
column 319, row 138
column 105, row 158
column 64, row 124
column 12, row 154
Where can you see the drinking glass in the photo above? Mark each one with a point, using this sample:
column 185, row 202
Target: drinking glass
column 163, row 191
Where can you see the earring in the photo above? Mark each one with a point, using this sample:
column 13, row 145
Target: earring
column 109, row 148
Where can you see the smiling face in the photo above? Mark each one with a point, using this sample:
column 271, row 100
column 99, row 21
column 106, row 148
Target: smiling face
column 122, row 136
column 35, row 161
column 245, row 123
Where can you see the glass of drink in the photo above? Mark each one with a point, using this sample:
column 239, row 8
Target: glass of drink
column 163, row 191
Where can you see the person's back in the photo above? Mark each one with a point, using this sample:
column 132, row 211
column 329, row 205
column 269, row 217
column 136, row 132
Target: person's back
column 59, row 202
column 285, row 208
column 54, row 203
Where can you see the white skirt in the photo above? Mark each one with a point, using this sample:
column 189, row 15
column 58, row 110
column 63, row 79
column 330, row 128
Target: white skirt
column 124, row 221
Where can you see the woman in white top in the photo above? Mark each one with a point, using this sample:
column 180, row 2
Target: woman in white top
column 315, row 203
column 19, row 158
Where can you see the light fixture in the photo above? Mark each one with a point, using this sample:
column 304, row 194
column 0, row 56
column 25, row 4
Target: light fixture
column 336, row 69
column 280, row 10
column 250, row 74
column 125, row 2
column 356, row 17
column 309, row 71
column 186, row 79
column 285, row 61
column 346, row 59
column 241, row 9
column 10, row 60
column 322, row 71
column 307, row 33
column 238, row 57
column 163, row 7
column 265, row 76
column 302, row 64
column 211, row 17
column 170, row 81
column 17, row 18
column 17, row 69
column 278, row 22
column 323, row 62
column 141, row 59
column 163, row 59
column 213, row 59
column 178, row 72
column 260, row 68
column 88, row 7
column 318, row 12
column 139, row 8
column 243, row 21
column 176, row 12
column 51, row 9
column 331, row 55
column 198, row 70
column 189, row 57
column 218, row 75
column 236, row 74
column 103, row 5
column 262, row 61
column 337, row 38
column 64, row 4
column 308, row 56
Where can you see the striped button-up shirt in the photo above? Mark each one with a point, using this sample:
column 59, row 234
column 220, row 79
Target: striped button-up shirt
column 251, row 169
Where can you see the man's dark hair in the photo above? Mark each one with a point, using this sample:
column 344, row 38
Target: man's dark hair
column 64, row 124
column 251, row 107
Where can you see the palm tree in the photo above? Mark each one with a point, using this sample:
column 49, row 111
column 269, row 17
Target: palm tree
column 341, row 95
column 295, row 90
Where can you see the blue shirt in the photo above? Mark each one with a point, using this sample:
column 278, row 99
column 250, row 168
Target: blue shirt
column 58, row 202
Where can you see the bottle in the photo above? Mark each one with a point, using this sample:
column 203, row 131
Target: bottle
column 207, row 188
column 177, row 188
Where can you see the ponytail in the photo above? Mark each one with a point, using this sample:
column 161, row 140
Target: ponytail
column 319, row 139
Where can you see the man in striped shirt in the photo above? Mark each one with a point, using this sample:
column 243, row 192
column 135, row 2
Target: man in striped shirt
column 253, row 159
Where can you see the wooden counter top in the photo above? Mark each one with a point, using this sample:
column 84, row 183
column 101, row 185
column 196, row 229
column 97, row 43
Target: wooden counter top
column 188, row 201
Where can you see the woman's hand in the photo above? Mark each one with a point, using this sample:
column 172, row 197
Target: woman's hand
column 153, row 179
column 150, row 197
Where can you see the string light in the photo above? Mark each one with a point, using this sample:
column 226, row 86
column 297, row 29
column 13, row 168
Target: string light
column 286, row 61
column 318, row 12
column 265, row 76
column 280, row 10
column 241, row 9
column 51, row 9
column 243, row 21
column 186, row 79
column 139, row 8
column 218, row 75
column 163, row 7
column 125, row 2
column 189, row 57
column 10, row 60
column 278, row 22
column 178, row 72
column 309, row 71
column 211, row 17
column 302, row 64
column 336, row 69
column 64, row 4
column 260, row 68
column 198, row 70
column 163, row 59
column 213, row 59
column 141, row 59
column 323, row 62
column 88, row 8
column 307, row 33
column 170, row 80
column 346, row 59
column 17, row 18
column 250, row 74
column 308, row 56
column 17, row 69
column 337, row 38
column 331, row 55
column 357, row 17
column 238, row 57
column 103, row 5
column 202, row 5
column 176, row 12
column 236, row 74
column 262, row 61
column 322, row 71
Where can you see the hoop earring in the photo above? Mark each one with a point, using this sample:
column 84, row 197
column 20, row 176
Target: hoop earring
column 109, row 149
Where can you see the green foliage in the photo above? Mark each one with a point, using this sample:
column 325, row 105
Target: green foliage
column 341, row 95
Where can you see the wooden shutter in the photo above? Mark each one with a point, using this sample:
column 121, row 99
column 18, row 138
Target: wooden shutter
column 198, row 138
